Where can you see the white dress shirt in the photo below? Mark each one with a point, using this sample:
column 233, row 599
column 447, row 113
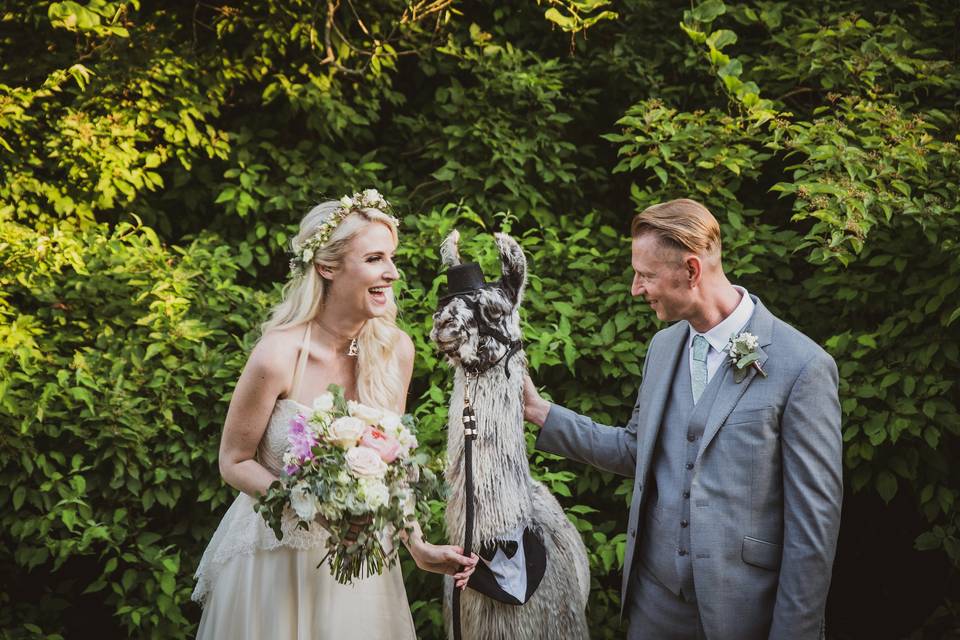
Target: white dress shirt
column 719, row 336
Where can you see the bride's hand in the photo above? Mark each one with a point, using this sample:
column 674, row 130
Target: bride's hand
column 446, row 559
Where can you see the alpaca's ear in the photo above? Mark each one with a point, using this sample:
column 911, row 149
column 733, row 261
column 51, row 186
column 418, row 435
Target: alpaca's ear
column 514, row 266
column 449, row 254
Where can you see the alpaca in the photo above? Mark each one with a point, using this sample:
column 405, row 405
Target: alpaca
column 512, row 511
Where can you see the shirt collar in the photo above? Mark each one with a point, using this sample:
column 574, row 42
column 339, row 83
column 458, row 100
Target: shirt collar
column 719, row 336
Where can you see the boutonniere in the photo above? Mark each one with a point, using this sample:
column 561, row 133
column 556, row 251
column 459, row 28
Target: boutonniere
column 744, row 352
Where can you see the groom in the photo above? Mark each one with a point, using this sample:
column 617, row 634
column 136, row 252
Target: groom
column 736, row 506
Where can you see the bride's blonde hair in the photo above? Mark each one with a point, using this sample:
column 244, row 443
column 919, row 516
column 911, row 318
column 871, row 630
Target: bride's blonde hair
column 379, row 382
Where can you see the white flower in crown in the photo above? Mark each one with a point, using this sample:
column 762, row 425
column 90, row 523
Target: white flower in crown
column 305, row 252
column 744, row 352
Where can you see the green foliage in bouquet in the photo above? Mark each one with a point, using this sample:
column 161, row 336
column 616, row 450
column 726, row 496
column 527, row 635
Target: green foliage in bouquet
column 156, row 159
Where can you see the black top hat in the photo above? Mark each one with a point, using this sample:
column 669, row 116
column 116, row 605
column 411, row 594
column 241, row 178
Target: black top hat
column 463, row 278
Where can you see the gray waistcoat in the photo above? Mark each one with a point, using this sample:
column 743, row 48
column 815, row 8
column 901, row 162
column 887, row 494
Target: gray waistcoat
column 665, row 539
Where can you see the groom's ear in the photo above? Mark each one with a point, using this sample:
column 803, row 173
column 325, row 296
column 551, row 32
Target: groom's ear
column 694, row 269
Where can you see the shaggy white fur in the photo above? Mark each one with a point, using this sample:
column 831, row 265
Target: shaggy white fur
column 506, row 496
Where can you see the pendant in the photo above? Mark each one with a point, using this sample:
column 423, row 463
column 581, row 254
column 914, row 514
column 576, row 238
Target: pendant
column 353, row 350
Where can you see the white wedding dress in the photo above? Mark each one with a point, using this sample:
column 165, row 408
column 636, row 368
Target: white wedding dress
column 253, row 586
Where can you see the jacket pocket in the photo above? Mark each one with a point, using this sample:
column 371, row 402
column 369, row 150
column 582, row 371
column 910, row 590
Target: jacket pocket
column 763, row 414
column 761, row 553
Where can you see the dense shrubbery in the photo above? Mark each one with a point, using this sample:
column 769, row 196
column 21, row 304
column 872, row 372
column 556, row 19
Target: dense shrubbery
column 156, row 155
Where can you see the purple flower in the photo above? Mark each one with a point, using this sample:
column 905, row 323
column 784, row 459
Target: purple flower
column 301, row 439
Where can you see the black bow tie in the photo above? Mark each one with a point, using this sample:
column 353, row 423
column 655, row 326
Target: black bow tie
column 489, row 550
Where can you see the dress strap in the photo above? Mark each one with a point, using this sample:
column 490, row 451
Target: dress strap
column 301, row 362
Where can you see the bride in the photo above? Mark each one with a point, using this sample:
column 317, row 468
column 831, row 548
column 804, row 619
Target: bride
column 336, row 324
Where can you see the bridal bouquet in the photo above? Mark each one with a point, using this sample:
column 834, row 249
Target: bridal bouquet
column 348, row 463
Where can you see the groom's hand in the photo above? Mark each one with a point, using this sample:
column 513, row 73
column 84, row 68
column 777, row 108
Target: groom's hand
column 535, row 408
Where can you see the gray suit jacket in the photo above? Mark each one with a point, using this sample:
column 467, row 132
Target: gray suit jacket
column 767, row 489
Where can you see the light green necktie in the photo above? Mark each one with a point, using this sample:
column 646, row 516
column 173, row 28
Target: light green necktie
column 698, row 373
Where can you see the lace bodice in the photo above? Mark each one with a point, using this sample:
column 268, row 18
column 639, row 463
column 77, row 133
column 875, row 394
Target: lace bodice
column 273, row 444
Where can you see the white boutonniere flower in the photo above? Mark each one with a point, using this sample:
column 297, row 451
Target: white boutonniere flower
column 744, row 352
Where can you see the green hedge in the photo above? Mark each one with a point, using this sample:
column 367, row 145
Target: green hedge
column 156, row 157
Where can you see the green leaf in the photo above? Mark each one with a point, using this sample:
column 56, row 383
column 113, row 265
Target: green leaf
column 168, row 584
column 886, row 484
column 747, row 360
column 564, row 22
column 19, row 495
column 927, row 541
column 564, row 308
column 721, row 38
column 953, row 317
column 889, row 379
column 661, row 174
column 709, row 10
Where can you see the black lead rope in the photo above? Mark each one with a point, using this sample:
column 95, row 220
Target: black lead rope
column 469, row 435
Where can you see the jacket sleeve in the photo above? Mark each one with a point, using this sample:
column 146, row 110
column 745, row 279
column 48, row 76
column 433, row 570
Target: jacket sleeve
column 811, row 446
column 579, row 438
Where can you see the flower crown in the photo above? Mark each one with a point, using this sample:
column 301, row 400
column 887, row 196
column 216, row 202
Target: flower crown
column 368, row 199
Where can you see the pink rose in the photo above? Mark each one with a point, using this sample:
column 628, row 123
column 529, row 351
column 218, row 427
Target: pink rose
column 386, row 446
column 364, row 462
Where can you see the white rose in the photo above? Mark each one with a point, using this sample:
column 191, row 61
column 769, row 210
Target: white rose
column 365, row 462
column 308, row 255
column 346, row 201
column 371, row 197
column 303, row 502
column 376, row 494
column 323, row 403
column 391, row 424
column 408, row 442
column 368, row 415
column 346, row 431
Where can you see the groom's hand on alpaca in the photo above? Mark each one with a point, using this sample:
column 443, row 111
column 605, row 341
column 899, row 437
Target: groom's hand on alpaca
column 535, row 408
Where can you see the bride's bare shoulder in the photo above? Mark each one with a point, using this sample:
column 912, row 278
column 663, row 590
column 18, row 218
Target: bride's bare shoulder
column 276, row 350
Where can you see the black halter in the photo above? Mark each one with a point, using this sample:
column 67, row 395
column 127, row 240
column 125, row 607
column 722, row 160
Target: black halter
column 513, row 346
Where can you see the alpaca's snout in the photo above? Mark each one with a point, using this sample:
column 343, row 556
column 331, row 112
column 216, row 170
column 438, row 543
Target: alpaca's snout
column 449, row 336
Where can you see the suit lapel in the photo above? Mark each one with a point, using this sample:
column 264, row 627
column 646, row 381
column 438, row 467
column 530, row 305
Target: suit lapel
column 661, row 369
column 730, row 392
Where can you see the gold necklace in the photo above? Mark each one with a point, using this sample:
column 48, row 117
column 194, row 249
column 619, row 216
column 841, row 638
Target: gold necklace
column 352, row 351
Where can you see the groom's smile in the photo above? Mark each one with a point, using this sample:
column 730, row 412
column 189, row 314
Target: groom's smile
column 656, row 278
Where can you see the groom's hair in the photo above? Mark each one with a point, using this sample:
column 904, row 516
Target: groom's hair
column 682, row 224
